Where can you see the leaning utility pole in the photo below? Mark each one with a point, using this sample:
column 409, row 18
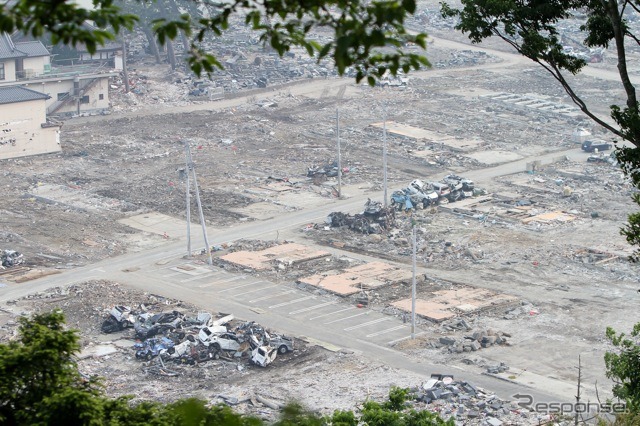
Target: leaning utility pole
column 413, row 280
column 339, row 159
column 191, row 167
column 124, row 63
column 384, row 156
column 186, row 172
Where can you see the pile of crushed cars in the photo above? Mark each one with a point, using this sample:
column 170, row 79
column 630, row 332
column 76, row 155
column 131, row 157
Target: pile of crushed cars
column 9, row 258
column 421, row 194
column 375, row 219
column 327, row 170
column 174, row 336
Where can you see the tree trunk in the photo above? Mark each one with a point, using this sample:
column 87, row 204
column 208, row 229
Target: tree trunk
column 185, row 43
column 153, row 44
column 171, row 55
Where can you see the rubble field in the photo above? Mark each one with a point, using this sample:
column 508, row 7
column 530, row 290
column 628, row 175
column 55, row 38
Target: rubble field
column 320, row 379
column 542, row 236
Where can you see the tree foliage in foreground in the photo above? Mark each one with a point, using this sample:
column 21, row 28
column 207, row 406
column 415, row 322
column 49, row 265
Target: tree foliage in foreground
column 623, row 367
column 367, row 35
column 533, row 28
column 41, row 385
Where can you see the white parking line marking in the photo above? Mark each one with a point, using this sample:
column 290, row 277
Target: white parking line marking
column 331, row 313
column 206, row 285
column 311, row 308
column 254, row 290
column 271, row 295
column 364, row 324
column 388, row 330
column 292, row 302
column 404, row 338
column 342, row 319
column 239, row 286
column 197, row 277
column 239, row 277
column 173, row 274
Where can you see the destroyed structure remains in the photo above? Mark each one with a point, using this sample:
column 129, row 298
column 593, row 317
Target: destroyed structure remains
column 520, row 265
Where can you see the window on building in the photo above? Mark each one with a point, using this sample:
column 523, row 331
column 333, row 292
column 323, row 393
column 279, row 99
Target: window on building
column 101, row 96
column 1, row 71
column 85, row 99
column 62, row 96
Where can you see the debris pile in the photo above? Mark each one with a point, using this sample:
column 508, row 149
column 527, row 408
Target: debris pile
column 328, row 170
column 473, row 342
column 375, row 219
column 174, row 336
column 525, row 309
column 419, row 194
column 9, row 258
column 467, row 403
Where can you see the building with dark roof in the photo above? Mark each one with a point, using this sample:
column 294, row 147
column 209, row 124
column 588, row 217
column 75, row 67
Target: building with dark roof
column 8, row 48
column 22, row 60
column 13, row 94
column 24, row 129
column 69, row 90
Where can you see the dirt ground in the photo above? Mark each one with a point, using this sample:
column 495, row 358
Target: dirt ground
column 62, row 211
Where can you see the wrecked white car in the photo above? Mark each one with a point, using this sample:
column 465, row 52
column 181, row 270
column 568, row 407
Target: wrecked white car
column 120, row 317
column 206, row 333
column 263, row 355
column 283, row 344
column 224, row 341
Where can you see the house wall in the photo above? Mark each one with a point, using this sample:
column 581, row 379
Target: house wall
column 34, row 67
column 55, row 87
column 95, row 104
column 98, row 56
column 9, row 71
column 118, row 62
column 21, row 133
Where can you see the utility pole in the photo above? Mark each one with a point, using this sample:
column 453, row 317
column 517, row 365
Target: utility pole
column 413, row 280
column 339, row 159
column 384, row 155
column 186, row 172
column 577, row 416
column 191, row 167
column 124, row 64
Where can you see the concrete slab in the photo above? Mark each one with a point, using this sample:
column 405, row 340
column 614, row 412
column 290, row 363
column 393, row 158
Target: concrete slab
column 191, row 270
column 97, row 351
column 261, row 211
column 360, row 277
column 289, row 254
column 494, row 156
column 443, row 304
column 124, row 344
column 433, row 311
column 479, row 204
column 158, row 223
column 428, row 136
column 526, row 378
column 534, row 102
column 555, row 216
column 74, row 197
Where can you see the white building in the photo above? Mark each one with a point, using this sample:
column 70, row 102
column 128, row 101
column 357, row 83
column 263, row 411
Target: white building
column 24, row 129
column 69, row 91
